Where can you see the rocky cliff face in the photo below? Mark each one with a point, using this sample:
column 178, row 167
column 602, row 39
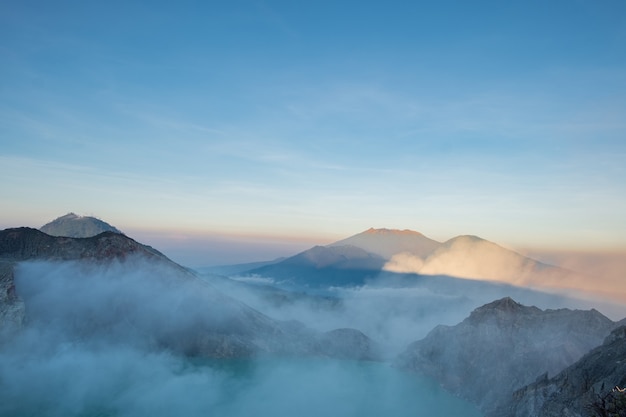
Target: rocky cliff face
column 579, row 389
column 503, row 346
column 12, row 312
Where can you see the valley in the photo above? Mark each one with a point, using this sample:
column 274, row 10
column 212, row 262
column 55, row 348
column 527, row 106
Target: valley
column 333, row 314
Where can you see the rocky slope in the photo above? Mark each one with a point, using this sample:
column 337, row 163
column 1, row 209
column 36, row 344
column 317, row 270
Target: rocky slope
column 12, row 312
column 24, row 244
column 578, row 390
column 110, row 286
column 503, row 346
column 73, row 225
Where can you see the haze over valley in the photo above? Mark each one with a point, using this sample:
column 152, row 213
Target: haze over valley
column 329, row 208
column 120, row 329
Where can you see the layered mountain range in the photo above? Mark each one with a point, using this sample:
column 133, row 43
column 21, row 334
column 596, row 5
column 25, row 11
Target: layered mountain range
column 507, row 358
column 364, row 256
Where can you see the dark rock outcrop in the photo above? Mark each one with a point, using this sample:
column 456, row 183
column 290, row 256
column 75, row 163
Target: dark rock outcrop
column 12, row 312
column 503, row 346
column 575, row 391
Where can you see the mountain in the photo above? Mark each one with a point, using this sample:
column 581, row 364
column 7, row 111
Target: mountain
column 113, row 288
column 584, row 389
column 29, row 245
column 325, row 265
column 26, row 244
column 351, row 261
column 388, row 242
column 341, row 257
column 503, row 346
column 355, row 260
column 475, row 258
column 72, row 225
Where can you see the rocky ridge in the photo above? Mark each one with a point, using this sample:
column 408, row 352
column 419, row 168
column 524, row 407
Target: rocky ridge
column 503, row 346
column 578, row 390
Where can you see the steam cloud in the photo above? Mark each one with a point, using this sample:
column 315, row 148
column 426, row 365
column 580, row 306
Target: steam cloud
column 396, row 310
column 89, row 350
column 91, row 344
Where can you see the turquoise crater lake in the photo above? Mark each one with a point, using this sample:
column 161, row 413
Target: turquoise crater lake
column 322, row 387
column 133, row 384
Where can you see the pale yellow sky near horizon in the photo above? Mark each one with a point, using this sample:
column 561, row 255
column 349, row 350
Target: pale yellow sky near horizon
column 205, row 248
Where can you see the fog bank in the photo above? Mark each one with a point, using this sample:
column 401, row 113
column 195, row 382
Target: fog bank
column 89, row 349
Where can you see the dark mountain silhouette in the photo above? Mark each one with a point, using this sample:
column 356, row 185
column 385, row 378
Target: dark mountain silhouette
column 24, row 243
column 584, row 389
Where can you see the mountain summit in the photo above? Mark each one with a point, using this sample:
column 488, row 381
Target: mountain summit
column 73, row 225
column 389, row 242
column 408, row 252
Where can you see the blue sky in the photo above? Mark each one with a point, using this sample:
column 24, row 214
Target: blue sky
column 311, row 121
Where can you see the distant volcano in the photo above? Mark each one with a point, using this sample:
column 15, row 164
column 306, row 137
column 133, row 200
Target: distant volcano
column 390, row 242
column 73, row 225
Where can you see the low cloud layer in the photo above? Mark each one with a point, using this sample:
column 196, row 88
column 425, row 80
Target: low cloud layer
column 91, row 345
column 396, row 309
column 87, row 350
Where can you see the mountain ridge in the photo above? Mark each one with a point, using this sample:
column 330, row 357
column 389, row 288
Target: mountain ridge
column 583, row 389
column 409, row 252
column 503, row 346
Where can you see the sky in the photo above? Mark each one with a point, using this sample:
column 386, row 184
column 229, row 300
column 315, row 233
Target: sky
column 245, row 130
